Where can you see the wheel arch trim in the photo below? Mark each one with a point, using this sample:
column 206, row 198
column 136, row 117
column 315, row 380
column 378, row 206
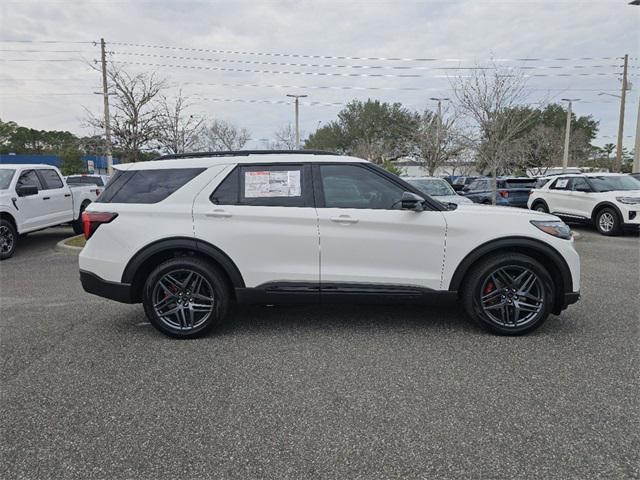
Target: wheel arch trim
column 604, row 204
column 526, row 243
column 183, row 243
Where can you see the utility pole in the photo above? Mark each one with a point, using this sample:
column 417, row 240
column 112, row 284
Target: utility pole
column 297, row 97
column 636, row 156
column 623, row 97
column 567, row 134
column 439, row 124
column 105, row 94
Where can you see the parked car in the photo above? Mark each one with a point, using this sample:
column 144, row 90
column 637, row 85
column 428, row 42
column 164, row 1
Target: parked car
column 610, row 201
column 635, row 175
column 460, row 182
column 89, row 179
column 511, row 191
column 189, row 238
column 437, row 188
column 33, row 197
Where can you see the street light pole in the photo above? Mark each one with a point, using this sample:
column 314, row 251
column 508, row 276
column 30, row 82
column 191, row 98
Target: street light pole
column 567, row 134
column 297, row 97
column 623, row 97
column 439, row 124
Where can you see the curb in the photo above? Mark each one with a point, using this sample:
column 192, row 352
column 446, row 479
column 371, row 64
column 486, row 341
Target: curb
column 61, row 245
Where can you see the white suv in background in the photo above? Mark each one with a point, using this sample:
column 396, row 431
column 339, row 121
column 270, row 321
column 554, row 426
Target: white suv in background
column 610, row 201
column 188, row 235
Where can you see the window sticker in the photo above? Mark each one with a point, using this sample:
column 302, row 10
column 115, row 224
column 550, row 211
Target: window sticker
column 266, row 184
column 562, row 183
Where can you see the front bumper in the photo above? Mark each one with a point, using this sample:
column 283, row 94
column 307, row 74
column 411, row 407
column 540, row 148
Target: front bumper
column 92, row 283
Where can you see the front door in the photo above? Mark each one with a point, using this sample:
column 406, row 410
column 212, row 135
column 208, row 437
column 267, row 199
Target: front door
column 32, row 209
column 365, row 236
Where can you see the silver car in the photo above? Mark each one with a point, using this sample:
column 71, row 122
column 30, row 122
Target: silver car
column 437, row 188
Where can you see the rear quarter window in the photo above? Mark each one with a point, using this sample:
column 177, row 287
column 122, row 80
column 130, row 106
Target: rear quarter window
column 146, row 186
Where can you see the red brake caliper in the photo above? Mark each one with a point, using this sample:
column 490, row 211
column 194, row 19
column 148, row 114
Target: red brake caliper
column 489, row 287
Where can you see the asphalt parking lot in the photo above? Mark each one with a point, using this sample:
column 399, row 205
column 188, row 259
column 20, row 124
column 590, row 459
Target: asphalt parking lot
column 91, row 390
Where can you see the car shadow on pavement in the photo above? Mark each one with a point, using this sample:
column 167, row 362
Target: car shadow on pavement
column 41, row 241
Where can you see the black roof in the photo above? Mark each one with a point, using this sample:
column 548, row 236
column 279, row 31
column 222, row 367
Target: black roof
column 244, row 153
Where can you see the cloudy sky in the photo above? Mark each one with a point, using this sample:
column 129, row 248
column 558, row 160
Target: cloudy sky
column 238, row 59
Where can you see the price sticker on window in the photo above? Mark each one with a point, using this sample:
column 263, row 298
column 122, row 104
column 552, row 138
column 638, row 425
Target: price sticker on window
column 269, row 184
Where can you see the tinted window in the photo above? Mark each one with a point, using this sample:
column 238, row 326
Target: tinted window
column 85, row 181
column 146, row 186
column 580, row 184
column 5, row 177
column 606, row 183
column 266, row 185
column 351, row 186
column 520, row 183
column 51, row 178
column 29, row 177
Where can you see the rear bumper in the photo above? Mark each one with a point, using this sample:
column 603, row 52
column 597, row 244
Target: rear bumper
column 92, row 283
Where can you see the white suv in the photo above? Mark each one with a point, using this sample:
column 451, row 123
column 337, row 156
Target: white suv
column 189, row 235
column 610, row 201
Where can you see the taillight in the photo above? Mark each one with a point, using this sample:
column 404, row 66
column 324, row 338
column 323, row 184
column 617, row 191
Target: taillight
column 504, row 193
column 92, row 220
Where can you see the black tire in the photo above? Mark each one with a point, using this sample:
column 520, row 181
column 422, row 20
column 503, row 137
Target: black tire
column 479, row 278
column 214, row 286
column 8, row 239
column 77, row 225
column 540, row 206
column 608, row 222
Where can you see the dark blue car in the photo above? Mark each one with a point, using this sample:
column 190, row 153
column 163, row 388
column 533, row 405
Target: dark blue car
column 512, row 192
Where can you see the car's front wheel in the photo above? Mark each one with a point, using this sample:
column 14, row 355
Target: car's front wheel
column 608, row 222
column 509, row 294
column 186, row 297
column 8, row 239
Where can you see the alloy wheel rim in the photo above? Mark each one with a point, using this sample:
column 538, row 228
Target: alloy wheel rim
column 183, row 299
column 6, row 239
column 512, row 296
column 606, row 221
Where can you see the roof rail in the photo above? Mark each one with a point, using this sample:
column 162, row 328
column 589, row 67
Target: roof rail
column 243, row 153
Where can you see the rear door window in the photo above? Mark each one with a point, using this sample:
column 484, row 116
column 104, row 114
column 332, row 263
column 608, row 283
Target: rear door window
column 146, row 186
column 284, row 185
column 29, row 177
column 51, row 178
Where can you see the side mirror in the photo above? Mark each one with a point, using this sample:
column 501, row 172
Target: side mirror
column 411, row 201
column 26, row 190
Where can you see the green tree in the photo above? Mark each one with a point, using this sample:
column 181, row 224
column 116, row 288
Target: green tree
column 373, row 130
column 71, row 161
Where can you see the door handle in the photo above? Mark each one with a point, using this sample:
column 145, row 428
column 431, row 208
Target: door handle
column 46, row 198
column 344, row 219
column 67, row 194
column 218, row 214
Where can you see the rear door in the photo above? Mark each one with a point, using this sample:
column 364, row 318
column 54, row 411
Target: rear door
column 263, row 217
column 56, row 196
column 366, row 239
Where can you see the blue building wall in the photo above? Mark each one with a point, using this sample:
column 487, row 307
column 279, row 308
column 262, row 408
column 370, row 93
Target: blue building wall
column 100, row 162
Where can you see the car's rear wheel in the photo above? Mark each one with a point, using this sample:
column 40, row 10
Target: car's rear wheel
column 509, row 294
column 540, row 207
column 77, row 225
column 8, row 239
column 608, row 222
column 186, row 297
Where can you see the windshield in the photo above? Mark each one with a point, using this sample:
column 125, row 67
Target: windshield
column 6, row 175
column 85, row 181
column 614, row 182
column 432, row 186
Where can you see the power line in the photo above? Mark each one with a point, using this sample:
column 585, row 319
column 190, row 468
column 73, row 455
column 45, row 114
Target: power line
column 345, row 57
column 364, row 67
column 336, row 74
column 46, row 41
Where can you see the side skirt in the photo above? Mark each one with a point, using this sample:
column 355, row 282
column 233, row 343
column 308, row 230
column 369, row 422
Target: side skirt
column 280, row 293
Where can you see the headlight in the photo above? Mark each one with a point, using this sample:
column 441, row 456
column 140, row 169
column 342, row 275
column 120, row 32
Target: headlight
column 628, row 200
column 553, row 227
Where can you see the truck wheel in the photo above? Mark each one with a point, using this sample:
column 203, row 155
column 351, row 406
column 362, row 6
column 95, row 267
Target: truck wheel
column 77, row 225
column 8, row 239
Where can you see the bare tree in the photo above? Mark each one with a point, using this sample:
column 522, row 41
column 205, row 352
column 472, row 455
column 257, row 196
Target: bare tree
column 134, row 113
column 221, row 135
column 285, row 138
column 493, row 99
column 435, row 141
column 177, row 131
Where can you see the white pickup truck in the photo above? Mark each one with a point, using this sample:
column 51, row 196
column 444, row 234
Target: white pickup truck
column 33, row 197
